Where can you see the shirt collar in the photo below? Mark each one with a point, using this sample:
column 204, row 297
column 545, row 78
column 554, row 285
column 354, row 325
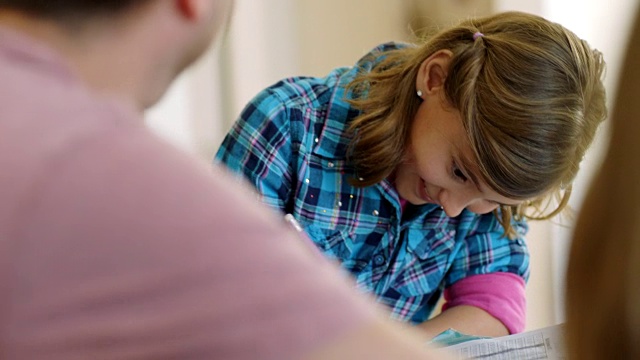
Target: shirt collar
column 332, row 140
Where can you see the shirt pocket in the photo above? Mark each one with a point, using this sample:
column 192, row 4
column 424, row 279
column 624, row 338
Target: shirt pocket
column 322, row 207
column 324, row 199
column 332, row 242
column 428, row 257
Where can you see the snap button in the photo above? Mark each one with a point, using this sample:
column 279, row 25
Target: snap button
column 379, row 260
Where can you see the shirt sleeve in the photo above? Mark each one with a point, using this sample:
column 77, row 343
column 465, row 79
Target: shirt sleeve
column 500, row 294
column 258, row 148
column 486, row 250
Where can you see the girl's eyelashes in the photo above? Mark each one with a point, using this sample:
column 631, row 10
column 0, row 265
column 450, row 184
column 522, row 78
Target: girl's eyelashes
column 457, row 173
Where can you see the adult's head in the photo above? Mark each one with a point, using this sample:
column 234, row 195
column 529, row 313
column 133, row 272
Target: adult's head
column 128, row 48
column 76, row 11
column 527, row 92
column 603, row 293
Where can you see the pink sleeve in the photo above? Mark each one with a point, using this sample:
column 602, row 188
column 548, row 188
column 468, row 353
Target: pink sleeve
column 500, row 294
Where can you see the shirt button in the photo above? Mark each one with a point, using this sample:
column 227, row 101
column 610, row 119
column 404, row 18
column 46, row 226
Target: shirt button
column 331, row 164
column 378, row 260
column 375, row 212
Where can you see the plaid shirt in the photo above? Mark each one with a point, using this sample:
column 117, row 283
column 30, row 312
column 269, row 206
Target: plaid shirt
column 290, row 143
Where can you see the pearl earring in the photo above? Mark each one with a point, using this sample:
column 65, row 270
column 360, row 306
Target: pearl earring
column 419, row 92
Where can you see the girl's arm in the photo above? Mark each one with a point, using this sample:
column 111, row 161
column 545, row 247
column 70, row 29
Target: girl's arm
column 467, row 320
column 258, row 148
column 485, row 288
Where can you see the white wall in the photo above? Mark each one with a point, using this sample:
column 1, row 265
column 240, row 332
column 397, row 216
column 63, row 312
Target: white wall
column 605, row 26
column 190, row 113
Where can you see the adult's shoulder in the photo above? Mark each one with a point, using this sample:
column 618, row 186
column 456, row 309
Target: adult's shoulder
column 141, row 225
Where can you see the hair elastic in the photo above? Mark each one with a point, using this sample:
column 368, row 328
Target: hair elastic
column 477, row 35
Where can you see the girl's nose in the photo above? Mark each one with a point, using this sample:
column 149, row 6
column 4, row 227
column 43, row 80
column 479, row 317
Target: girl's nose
column 453, row 204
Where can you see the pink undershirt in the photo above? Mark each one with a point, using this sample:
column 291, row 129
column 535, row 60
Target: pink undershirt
column 500, row 294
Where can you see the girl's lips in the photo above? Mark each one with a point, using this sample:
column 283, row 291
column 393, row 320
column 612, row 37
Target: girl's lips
column 424, row 195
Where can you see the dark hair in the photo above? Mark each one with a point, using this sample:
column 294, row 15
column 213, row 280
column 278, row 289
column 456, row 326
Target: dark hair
column 62, row 9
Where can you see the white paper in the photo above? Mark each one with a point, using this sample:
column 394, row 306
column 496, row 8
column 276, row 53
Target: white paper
column 545, row 343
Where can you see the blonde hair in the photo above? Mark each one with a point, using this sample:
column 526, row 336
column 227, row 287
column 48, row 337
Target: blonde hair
column 603, row 289
column 530, row 93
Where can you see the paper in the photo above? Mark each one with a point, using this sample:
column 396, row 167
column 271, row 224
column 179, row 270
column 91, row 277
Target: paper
column 545, row 343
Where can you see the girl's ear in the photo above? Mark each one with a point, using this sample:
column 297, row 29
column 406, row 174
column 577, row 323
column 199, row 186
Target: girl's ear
column 433, row 72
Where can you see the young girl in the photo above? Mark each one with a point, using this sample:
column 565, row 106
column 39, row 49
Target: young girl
column 418, row 167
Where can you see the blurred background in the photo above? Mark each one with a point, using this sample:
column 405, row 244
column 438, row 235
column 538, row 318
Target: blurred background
column 271, row 39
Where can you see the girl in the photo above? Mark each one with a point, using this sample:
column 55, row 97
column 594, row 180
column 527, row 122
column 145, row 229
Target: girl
column 418, row 167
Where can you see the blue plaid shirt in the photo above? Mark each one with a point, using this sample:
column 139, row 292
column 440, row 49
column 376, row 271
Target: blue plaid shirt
column 290, row 143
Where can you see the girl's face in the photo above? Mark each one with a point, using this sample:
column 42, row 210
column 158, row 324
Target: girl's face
column 439, row 165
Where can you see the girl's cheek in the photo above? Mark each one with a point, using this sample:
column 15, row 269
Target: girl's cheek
column 482, row 209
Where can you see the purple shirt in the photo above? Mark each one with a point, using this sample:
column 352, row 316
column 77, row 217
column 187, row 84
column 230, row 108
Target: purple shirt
column 114, row 245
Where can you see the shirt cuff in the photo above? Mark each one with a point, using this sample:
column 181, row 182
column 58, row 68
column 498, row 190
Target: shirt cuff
column 500, row 294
